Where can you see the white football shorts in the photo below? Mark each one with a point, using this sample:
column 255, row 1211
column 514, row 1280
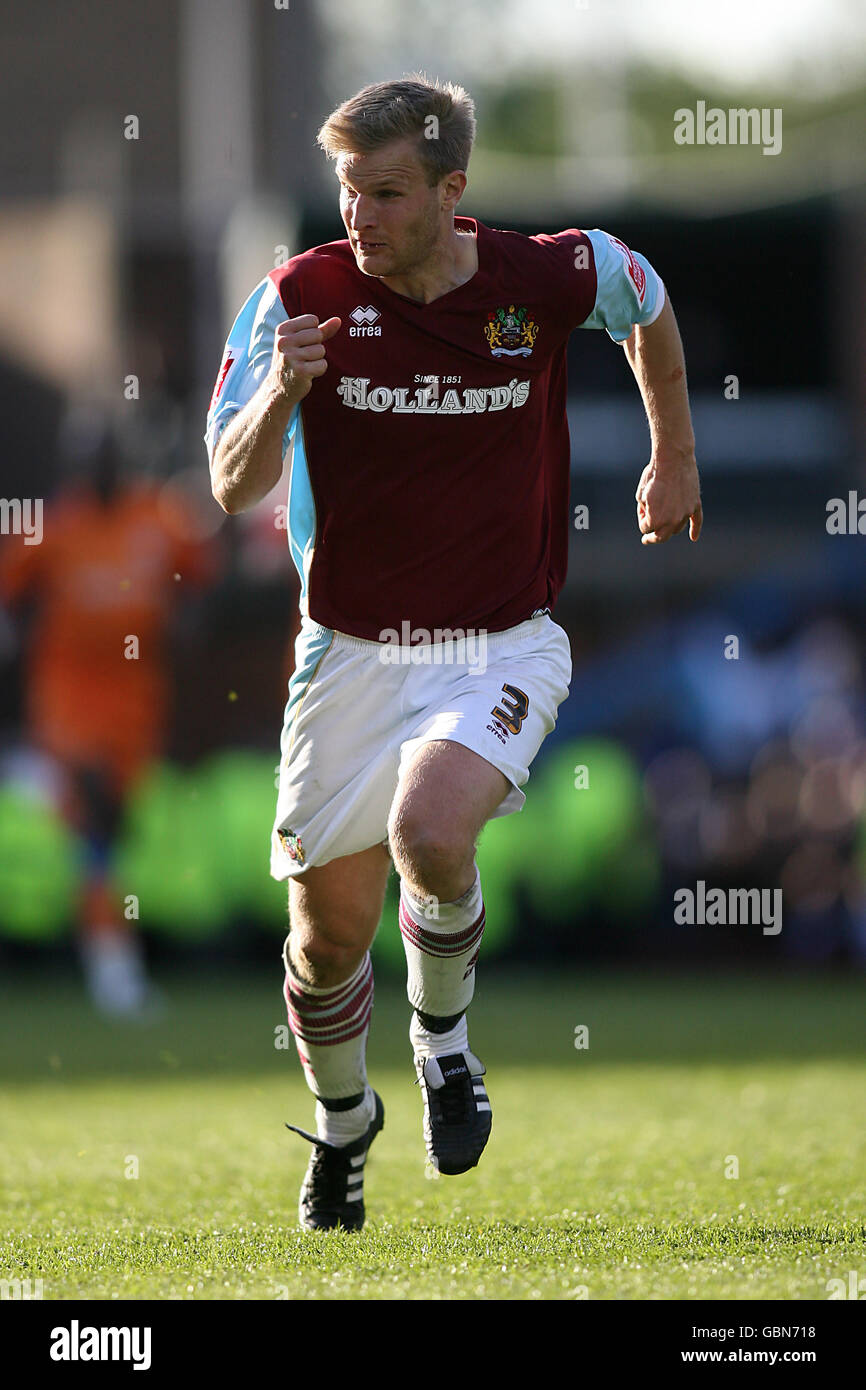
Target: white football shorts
column 358, row 711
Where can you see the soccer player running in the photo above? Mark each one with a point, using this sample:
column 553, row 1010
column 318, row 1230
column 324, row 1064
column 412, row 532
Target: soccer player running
column 414, row 375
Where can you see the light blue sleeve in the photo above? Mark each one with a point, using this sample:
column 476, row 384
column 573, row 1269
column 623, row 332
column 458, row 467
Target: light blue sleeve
column 246, row 361
column 628, row 291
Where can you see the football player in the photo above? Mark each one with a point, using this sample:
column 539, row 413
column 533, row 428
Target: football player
column 412, row 378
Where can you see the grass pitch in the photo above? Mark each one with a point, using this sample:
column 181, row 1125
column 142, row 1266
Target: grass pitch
column 708, row 1143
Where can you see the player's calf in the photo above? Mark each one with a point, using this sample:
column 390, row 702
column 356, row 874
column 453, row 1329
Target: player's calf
column 441, row 952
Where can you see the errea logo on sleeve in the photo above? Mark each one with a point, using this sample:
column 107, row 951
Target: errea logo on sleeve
column 364, row 322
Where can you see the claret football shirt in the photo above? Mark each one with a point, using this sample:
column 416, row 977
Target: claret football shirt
column 429, row 477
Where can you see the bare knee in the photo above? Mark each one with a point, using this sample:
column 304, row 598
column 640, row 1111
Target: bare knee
column 432, row 855
column 332, row 925
column 321, row 961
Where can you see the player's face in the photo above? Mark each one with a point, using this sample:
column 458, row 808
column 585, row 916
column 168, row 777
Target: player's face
column 393, row 217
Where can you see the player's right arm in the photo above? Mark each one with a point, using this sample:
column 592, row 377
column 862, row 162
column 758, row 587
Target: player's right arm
column 268, row 366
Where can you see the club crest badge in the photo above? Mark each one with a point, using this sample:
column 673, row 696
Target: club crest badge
column 510, row 333
column 291, row 843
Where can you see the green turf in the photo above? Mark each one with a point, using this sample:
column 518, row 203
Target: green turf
column 604, row 1178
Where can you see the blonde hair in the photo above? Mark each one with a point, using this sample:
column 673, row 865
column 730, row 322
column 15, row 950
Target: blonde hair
column 389, row 111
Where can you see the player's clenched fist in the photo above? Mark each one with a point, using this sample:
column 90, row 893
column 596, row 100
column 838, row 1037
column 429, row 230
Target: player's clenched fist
column 668, row 500
column 299, row 352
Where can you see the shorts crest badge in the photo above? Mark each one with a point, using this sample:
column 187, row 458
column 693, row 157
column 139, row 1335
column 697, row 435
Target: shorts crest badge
column 291, row 843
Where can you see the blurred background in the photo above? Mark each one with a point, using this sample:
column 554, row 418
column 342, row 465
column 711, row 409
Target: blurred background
column 156, row 162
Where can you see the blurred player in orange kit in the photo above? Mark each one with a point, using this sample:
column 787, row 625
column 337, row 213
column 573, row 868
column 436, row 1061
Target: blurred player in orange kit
column 106, row 578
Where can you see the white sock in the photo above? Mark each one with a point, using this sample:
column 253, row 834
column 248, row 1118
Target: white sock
column 330, row 1027
column 342, row 1126
column 427, row 1044
column 441, row 941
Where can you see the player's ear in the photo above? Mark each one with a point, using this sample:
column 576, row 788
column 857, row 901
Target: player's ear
column 453, row 187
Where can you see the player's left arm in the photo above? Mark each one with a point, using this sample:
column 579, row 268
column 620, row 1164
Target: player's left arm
column 632, row 304
column 669, row 493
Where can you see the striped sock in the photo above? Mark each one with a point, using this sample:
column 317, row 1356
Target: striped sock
column 330, row 1027
column 442, row 942
column 342, row 1126
column 427, row 1043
